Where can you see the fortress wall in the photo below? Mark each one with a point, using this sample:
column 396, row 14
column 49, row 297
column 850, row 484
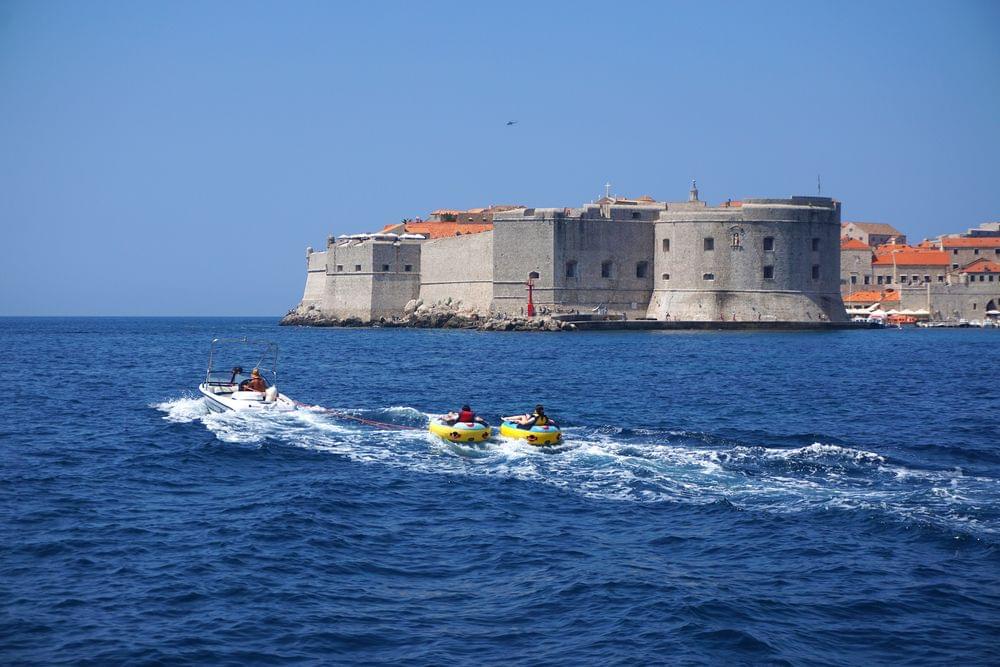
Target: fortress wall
column 590, row 244
column 953, row 302
column 520, row 246
column 460, row 268
column 728, row 282
column 315, row 279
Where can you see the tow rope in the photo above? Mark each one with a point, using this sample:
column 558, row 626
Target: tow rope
column 368, row 422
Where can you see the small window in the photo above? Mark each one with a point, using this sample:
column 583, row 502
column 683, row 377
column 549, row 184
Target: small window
column 997, row 251
column 385, row 267
column 976, row 251
column 735, row 240
column 927, row 279
column 888, row 280
column 708, row 276
column 991, row 277
column 954, row 266
column 815, row 271
column 974, row 306
column 955, row 251
column 880, row 280
column 666, row 245
column 666, row 276
column 640, row 269
column 606, row 268
column 357, row 267
column 533, row 274
column 982, row 278
column 340, row 267
column 769, row 272
column 571, row 269
column 868, row 280
column 915, row 278
column 815, row 244
column 768, row 243
column 709, row 243
column 407, row 267
column 636, row 215
column 940, row 278
column 854, row 280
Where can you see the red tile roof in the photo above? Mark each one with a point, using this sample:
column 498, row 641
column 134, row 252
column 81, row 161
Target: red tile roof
column 907, row 256
column 437, row 230
column 971, row 242
column 853, row 244
column 872, row 296
column 981, row 265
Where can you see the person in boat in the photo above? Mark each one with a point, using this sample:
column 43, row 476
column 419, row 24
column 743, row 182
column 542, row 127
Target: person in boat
column 537, row 418
column 464, row 415
column 255, row 383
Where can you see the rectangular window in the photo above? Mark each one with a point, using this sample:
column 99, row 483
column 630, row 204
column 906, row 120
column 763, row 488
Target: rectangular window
column 955, row 251
column 340, row 267
column 982, row 278
column 815, row 244
column 640, row 269
column 357, row 267
column 606, row 269
column 666, row 245
column 868, row 280
column 991, row 277
column 954, row 266
column 854, row 280
column 571, row 269
column 636, row 215
column 927, row 279
column 815, row 271
column 879, row 280
column 407, row 267
column 385, row 267
column 976, row 251
column 709, row 243
column 708, row 276
column 769, row 272
column 940, row 278
column 666, row 276
column 768, row 243
column 915, row 279
column 888, row 280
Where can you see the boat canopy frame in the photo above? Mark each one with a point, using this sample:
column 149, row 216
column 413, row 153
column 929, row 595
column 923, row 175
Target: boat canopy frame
column 266, row 355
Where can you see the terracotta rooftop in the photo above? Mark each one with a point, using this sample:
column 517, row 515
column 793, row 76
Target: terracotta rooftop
column 872, row 296
column 853, row 244
column 970, row 242
column 981, row 265
column 437, row 230
column 907, row 256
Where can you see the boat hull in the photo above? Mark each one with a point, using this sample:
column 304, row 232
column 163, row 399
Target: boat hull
column 240, row 401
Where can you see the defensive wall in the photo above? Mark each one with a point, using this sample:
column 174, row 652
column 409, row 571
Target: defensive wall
column 760, row 260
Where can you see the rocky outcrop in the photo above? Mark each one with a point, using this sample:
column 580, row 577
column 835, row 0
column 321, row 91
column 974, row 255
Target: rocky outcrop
column 445, row 314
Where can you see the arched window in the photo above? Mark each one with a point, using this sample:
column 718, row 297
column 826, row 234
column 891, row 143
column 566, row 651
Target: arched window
column 533, row 274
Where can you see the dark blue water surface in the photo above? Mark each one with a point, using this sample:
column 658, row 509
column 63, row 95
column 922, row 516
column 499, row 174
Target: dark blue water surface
column 792, row 498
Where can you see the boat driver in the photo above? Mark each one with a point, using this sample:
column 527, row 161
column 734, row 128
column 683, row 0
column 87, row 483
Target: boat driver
column 464, row 415
column 255, row 383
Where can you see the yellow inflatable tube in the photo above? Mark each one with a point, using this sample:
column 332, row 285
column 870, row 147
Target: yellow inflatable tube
column 460, row 431
column 536, row 435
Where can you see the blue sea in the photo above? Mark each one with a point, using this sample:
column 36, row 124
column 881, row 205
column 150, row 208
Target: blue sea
column 722, row 498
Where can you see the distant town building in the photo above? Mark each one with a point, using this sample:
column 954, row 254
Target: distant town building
column 872, row 233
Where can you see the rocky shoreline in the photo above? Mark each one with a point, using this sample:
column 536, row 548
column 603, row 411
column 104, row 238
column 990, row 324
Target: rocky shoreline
column 445, row 314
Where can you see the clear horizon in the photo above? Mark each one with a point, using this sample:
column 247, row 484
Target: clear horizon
column 175, row 159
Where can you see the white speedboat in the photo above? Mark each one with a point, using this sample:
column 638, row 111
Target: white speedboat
column 243, row 390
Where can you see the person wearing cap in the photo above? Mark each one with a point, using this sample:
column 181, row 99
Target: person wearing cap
column 255, row 383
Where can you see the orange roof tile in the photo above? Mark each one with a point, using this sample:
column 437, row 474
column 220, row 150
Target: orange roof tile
column 872, row 296
column 907, row 256
column 853, row 244
column 981, row 265
column 437, row 230
column 971, row 242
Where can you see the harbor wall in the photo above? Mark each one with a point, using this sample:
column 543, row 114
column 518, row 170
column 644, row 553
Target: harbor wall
column 459, row 268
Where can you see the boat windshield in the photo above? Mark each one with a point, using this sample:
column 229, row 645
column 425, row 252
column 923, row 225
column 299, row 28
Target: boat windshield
column 231, row 360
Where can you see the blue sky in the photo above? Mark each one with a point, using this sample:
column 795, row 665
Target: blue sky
column 177, row 157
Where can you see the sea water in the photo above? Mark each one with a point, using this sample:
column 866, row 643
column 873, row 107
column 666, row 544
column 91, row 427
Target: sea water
column 790, row 498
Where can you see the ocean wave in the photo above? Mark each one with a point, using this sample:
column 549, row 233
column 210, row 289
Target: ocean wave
column 644, row 466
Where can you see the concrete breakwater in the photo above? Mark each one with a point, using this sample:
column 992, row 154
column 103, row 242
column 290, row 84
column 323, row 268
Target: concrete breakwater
column 444, row 314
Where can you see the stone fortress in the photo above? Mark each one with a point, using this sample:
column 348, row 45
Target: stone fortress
column 756, row 260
